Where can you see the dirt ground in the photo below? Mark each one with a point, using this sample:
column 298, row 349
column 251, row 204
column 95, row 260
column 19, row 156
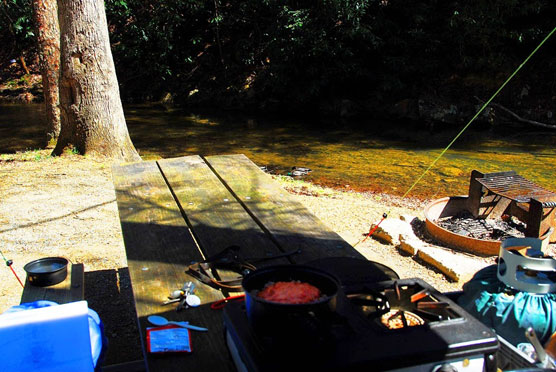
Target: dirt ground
column 65, row 206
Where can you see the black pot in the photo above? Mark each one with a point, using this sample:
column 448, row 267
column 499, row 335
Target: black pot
column 294, row 321
column 47, row 271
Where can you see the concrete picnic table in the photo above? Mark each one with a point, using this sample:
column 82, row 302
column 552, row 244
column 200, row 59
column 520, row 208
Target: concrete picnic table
column 177, row 211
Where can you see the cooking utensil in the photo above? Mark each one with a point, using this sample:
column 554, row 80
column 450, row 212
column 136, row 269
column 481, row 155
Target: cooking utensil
column 172, row 301
column 187, row 298
column 231, row 259
column 162, row 321
column 221, row 303
column 349, row 270
column 47, row 271
column 284, row 319
column 543, row 358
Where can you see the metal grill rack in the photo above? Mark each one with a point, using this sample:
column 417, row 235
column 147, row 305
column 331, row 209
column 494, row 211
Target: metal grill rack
column 492, row 195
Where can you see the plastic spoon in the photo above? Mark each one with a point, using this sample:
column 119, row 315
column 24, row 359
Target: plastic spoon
column 162, row 321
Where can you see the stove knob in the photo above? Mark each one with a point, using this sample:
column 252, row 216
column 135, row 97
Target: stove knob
column 445, row 368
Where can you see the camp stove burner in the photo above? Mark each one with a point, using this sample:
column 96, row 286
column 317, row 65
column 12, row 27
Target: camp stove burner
column 357, row 339
column 402, row 305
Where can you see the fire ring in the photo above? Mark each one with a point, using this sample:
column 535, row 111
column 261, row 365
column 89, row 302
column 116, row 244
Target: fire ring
column 448, row 207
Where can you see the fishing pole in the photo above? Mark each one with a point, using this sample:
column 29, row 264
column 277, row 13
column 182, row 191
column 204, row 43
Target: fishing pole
column 9, row 263
column 385, row 215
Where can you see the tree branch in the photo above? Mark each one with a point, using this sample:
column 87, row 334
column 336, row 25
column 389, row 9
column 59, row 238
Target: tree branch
column 519, row 118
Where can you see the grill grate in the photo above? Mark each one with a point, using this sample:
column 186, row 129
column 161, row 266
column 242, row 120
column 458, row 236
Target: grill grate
column 515, row 187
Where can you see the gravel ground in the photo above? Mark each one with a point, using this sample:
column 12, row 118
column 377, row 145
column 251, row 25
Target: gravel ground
column 66, row 206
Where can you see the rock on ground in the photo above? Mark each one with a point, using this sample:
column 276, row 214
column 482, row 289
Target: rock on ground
column 456, row 266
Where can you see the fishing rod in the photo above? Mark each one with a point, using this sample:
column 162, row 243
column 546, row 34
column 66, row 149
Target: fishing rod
column 9, row 263
column 385, row 215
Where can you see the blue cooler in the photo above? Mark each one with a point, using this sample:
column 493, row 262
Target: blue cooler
column 44, row 336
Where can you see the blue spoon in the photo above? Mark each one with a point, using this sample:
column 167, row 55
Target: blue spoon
column 162, row 321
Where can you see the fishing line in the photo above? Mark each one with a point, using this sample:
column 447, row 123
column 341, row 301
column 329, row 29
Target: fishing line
column 479, row 112
column 9, row 263
column 464, row 128
column 373, row 229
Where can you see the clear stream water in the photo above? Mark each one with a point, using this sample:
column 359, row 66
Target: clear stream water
column 378, row 158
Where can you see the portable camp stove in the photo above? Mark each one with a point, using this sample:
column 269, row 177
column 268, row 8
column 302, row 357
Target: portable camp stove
column 394, row 325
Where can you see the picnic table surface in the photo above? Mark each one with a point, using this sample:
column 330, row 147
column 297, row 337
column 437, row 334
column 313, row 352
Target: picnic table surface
column 177, row 211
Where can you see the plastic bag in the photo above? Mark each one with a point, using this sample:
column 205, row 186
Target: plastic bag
column 508, row 312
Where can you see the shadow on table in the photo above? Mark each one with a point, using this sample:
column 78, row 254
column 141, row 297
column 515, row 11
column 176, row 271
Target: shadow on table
column 109, row 293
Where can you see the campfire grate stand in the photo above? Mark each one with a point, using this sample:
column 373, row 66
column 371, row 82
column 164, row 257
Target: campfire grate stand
column 492, row 195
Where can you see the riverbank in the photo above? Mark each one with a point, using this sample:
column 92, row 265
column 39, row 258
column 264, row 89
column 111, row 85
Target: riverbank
column 65, row 206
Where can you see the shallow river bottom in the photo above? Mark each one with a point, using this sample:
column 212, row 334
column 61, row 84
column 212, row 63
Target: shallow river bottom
column 365, row 156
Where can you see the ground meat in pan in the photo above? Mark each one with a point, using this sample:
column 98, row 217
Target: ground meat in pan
column 294, row 292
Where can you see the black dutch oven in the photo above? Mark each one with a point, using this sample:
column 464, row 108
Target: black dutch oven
column 47, row 271
column 294, row 321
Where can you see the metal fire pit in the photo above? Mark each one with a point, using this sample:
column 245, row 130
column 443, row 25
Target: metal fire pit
column 492, row 195
column 448, row 207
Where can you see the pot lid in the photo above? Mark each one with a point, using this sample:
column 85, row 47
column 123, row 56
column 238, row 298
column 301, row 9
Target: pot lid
column 353, row 271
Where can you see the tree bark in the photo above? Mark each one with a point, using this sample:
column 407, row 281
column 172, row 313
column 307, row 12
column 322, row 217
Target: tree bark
column 92, row 116
column 45, row 13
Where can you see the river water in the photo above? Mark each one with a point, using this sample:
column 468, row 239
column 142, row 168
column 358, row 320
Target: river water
column 369, row 156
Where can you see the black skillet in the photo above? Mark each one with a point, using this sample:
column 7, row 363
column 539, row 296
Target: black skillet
column 47, row 271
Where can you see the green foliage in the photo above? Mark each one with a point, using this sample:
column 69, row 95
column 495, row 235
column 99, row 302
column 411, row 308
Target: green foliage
column 23, row 81
column 299, row 54
column 16, row 28
column 12, row 84
column 155, row 43
column 487, row 33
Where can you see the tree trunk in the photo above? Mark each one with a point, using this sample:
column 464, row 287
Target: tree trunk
column 92, row 116
column 24, row 65
column 48, row 37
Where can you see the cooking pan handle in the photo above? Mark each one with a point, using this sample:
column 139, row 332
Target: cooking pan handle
column 221, row 303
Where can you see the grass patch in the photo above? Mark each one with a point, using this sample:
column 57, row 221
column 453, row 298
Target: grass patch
column 28, row 155
column 70, row 150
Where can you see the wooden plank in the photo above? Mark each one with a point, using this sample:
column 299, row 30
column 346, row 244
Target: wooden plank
column 158, row 209
column 159, row 246
column 290, row 224
column 215, row 217
column 70, row 290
